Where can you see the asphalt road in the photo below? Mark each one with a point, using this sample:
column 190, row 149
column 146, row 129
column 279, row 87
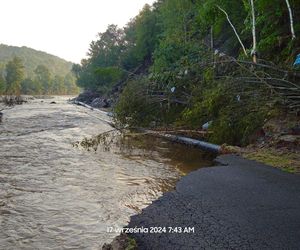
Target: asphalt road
column 240, row 205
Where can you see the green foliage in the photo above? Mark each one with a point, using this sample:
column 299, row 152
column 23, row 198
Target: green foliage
column 235, row 114
column 133, row 108
column 43, row 82
column 139, row 105
column 273, row 30
column 30, row 87
column 117, row 51
column 57, row 85
column 31, row 72
column 14, row 76
column 103, row 53
column 2, row 85
column 70, row 84
column 168, row 47
column 146, row 33
column 43, row 76
column 131, row 245
column 237, row 124
column 32, row 58
column 108, row 77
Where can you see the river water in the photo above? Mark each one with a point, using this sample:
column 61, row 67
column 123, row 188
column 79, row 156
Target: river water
column 57, row 196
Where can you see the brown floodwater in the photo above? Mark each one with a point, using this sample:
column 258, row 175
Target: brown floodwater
column 56, row 195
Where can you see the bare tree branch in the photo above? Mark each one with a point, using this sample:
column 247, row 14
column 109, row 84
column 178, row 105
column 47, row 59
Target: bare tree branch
column 234, row 30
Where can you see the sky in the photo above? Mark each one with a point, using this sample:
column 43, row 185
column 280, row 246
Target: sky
column 63, row 28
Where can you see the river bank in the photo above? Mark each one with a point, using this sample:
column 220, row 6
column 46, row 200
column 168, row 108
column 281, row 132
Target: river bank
column 277, row 143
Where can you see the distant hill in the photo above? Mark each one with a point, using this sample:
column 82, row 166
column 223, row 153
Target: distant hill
column 32, row 58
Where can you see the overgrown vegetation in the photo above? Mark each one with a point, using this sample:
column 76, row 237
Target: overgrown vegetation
column 184, row 63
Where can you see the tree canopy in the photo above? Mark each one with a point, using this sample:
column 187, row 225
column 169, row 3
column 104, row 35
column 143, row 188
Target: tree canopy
column 32, row 58
column 43, row 82
column 14, row 75
column 168, row 30
column 27, row 71
column 187, row 62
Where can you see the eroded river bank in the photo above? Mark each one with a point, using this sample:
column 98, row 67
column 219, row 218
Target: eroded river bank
column 57, row 196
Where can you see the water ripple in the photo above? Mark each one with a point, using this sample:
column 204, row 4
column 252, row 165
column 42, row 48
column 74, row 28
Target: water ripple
column 55, row 196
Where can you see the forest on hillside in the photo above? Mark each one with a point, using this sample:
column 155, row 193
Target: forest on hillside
column 32, row 58
column 184, row 63
column 27, row 71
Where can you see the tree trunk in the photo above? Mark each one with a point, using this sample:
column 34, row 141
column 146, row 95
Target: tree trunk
column 212, row 44
column 234, row 30
column 185, row 140
column 254, row 52
column 291, row 19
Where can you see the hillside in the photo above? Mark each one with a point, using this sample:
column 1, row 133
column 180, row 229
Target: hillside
column 27, row 71
column 32, row 58
column 226, row 66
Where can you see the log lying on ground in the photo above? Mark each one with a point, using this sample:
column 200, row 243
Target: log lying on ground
column 97, row 110
column 188, row 141
column 90, row 107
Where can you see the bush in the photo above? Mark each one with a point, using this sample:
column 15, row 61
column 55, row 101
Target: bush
column 134, row 107
column 236, row 115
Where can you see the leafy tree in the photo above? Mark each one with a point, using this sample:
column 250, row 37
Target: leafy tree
column 31, row 87
column 105, row 52
column 70, row 85
column 147, row 32
column 119, row 50
column 14, row 75
column 174, row 62
column 107, row 77
column 57, row 85
column 32, row 58
column 2, row 85
column 43, row 77
column 141, row 38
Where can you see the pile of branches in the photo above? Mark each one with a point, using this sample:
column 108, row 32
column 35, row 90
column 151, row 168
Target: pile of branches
column 283, row 84
column 162, row 97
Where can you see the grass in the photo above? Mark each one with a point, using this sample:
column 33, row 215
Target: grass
column 286, row 161
column 131, row 244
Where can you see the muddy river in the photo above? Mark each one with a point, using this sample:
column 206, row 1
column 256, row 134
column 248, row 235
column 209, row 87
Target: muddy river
column 54, row 195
